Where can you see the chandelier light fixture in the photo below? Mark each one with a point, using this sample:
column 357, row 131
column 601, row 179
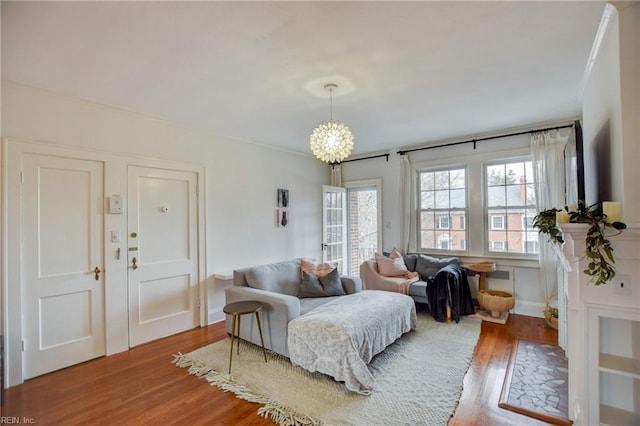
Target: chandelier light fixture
column 331, row 141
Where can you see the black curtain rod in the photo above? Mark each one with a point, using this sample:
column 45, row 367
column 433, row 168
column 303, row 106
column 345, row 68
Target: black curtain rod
column 363, row 158
column 405, row 151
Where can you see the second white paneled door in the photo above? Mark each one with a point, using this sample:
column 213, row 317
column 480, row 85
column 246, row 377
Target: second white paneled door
column 334, row 225
column 162, row 252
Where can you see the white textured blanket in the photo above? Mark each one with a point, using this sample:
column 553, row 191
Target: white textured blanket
column 341, row 337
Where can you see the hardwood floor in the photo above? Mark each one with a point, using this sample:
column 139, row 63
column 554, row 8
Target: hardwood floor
column 141, row 386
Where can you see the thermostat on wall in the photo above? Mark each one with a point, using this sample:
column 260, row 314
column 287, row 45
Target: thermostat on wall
column 115, row 204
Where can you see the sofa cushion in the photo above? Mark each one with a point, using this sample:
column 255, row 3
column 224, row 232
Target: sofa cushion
column 328, row 285
column 390, row 266
column 418, row 289
column 281, row 277
column 428, row 266
column 310, row 303
column 410, row 260
column 318, row 269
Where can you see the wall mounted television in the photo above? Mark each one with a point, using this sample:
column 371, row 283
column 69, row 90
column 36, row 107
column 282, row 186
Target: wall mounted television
column 574, row 165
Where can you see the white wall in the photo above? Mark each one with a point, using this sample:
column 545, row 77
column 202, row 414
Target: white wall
column 630, row 99
column 241, row 178
column 611, row 114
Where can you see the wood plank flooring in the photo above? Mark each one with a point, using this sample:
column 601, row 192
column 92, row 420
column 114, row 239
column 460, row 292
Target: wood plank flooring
column 141, row 386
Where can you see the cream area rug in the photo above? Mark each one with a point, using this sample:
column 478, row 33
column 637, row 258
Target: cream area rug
column 418, row 379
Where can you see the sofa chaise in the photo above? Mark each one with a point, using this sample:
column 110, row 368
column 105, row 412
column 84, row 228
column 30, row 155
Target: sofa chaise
column 439, row 282
column 323, row 323
column 277, row 286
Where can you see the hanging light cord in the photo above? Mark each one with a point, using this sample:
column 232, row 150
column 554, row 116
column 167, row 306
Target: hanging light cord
column 330, row 104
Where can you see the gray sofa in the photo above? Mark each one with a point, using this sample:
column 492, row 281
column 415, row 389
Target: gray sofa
column 425, row 266
column 277, row 286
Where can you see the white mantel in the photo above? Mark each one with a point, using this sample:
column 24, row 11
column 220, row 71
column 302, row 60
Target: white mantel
column 603, row 330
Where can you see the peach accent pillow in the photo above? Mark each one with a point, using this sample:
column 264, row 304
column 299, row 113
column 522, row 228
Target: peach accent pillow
column 395, row 254
column 317, row 269
column 392, row 266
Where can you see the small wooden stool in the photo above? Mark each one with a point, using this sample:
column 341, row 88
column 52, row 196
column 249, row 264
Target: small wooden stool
column 482, row 268
column 237, row 309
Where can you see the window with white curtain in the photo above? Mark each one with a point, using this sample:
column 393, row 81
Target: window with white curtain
column 442, row 209
column 484, row 207
column 510, row 206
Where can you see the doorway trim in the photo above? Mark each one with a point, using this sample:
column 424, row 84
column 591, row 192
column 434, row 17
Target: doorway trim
column 368, row 183
column 115, row 297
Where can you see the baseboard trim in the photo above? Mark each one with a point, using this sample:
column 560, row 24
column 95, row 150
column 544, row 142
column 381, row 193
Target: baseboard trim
column 532, row 309
column 215, row 315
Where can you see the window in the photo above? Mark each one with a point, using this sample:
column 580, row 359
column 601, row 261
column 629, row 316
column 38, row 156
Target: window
column 442, row 209
column 497, row 222
column 510, row 207
column 444, row 243
column 527, row 222
column 497, row 245
column 532, row 247
column 443, row 222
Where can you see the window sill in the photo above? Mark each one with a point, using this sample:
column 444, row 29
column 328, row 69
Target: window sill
column 503, row 260
column 521, row 262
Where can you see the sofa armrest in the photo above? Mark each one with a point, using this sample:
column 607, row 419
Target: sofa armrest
column 372, row 280
column 351, row 284
column 281, row 304
column 278, row 309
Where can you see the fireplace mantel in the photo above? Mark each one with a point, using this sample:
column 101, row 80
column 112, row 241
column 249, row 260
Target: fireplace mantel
column 603, row 331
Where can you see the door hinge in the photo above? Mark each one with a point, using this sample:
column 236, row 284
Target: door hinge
column 21, row 178
column 23, row 346
column 198, row 300
column 197, row 189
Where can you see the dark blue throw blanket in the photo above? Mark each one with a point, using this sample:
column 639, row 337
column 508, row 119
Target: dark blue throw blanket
column 449, row 287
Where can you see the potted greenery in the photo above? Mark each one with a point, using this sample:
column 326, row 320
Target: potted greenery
column 598, row 247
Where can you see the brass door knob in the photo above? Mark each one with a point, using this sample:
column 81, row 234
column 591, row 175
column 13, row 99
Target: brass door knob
column 134, row 263
column 97, row 272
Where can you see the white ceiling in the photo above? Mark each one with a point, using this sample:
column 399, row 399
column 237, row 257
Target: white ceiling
column 408, row 72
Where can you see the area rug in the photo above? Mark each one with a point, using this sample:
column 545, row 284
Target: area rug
column 536, row 382
column 418, row 379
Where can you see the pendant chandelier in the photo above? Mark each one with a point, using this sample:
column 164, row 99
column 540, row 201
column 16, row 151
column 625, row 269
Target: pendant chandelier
column 331, row 141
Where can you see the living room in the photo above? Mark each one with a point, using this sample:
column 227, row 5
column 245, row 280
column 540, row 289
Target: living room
column 238, row 177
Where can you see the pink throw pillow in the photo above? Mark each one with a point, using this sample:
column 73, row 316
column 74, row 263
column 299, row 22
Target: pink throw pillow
column 391, row 266
column 319, row 270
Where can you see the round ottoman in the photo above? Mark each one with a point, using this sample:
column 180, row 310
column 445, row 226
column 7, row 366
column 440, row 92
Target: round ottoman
column 496, row 301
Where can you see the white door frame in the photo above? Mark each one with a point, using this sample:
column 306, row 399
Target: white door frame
column 368, row 183
column 115, row 273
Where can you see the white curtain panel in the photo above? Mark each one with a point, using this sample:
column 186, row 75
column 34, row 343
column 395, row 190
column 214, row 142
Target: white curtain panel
column 405, row 203
column 336, row 175
column 547, row 150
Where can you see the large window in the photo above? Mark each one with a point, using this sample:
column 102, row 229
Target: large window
column 510, row 205
column 442, row 209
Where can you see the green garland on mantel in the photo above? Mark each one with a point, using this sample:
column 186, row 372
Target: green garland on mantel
column 598, row 247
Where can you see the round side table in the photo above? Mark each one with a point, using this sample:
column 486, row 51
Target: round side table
column 236, row 310
column 482, row 268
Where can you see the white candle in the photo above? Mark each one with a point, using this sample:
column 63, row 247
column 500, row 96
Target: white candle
column 613, row 211
column 562, row 216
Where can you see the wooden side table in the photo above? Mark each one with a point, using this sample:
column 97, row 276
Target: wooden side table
column 482, row 268
column 236, row 310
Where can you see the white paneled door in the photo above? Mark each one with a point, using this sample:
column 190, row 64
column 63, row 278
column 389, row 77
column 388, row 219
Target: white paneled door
column 162, row 253
column 62, row 262
column 334, row 225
